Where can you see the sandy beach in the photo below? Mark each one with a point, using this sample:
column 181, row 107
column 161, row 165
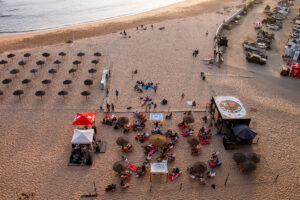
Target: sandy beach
column 35, row 135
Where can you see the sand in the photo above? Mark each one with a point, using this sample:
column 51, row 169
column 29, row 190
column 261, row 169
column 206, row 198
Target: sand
column 35, row 135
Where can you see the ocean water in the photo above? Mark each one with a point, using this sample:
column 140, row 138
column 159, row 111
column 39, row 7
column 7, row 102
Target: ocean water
column 30, row 15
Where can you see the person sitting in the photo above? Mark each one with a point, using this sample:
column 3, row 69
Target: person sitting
column 202, row 180
column 188, row 132
column 111, row 188
column 172, row 157
column 204, row 119
column 168, row 133
column 211, row 174
column 196, row 149
column 182, row 125
column 169, row 116
column 125, row 175
column 141, row 170
column 175, row 173
column 127, row 148
column 124, row 185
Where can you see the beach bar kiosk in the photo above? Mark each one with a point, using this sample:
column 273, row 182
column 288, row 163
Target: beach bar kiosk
column 104, row 78
column 227, row 111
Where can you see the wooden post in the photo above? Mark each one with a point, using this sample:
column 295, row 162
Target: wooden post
column 180, row 186
column 151, row 188
column 226, row 179
column 276, row 178
column 167, row 177
column 150, row 176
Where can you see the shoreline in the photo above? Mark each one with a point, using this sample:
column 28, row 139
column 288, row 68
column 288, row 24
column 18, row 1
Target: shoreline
column 178, row 10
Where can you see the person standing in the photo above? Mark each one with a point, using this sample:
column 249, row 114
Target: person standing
column 107, row 92
column 112, row 107
column 117, row 93
column 155, row 88
column 108, row 107
column 182, row 96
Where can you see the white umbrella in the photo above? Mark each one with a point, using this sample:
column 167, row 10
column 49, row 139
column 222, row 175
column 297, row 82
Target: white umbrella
column 83, row 136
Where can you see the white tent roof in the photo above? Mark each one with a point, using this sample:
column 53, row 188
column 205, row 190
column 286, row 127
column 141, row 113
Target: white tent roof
column 156, row 117
column 159, row 168
column 83, row 136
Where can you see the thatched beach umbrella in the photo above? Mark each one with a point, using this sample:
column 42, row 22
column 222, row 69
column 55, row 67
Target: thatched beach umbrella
column 76, row 62
column 86, row 94
column 46, row 55
column 52, row 71
column 193, row 140
column 40, row 93
column 27, row 55
column 72, row 71
column 15, row 72
column 199, row 167
column 62, row 54
column 46, row 82
column 249, row 165
column 26, row 81
column 123, row 121
column 33, row 71
column 3, row 62
column 95, row 62
column 40, row 63
column 98, row 54
column 62, row 93
column 18, row 93
column 122, row 141
column 11, row 55
column 1, row 93
column 22, row 63
column 88, row 82
column 253, row 157
column 239, row 157
column 119, row 166
column 158, row 140
column 67, row 82
column 189, row 119
column 80, row 54
column 57, row 62
column 92, row 71
column 7, row 81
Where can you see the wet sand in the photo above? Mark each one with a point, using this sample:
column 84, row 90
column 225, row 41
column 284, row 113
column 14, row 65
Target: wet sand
column 35, row 135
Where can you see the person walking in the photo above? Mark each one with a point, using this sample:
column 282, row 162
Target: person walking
column 107, row 92
column 155, row 88
column 112, row 107
column 108, row 107
column 182, row 96
column 117, row 93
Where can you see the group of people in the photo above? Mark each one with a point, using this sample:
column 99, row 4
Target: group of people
column 142, row 137
column 214, row 160
column 123, row 34
column 142, row 27
column 127, row 148
column 195, row 52
column 174, row 173
column 204, row 135
column 109, row 120
column 200, row 176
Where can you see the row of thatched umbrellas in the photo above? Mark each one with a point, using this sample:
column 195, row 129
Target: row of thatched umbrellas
column 248, row 161
column 41, row 93
column 46, row 55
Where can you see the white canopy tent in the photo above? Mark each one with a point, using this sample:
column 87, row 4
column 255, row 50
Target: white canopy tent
column 159, row 168
column 156, row 117
column 83, row 136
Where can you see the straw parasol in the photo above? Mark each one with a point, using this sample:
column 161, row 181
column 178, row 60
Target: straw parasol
column 253, row 157
column 11, row 55
column 76, row 62
column 52, row 71
column 46, row 55
column 92, row 71
column 27, row 55
column 98, row 54
column 33, row 71
column 123, row 121
column 15, row 72
column 199, row 167
column 67, row 82
column 18, row 93
column 62, row 93
column 40, row 93
column 40, row 63
column 122, row 141
column 189, row 119
column 95, row 62
column 22, row 63
column 7, row 81
column 1, row 93
column 239, row 157
column 193, row 140
column 46, row 82
column 88, row 82
column 62, row 54
column 3, row 62
column 158, row 140
column 249, row 165
column 57, row 62
column 80, row 54
column 86, row 94
column 26, row 81
column 72, row 71
column 119, row 166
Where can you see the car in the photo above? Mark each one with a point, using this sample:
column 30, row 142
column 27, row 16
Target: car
column 261, row 47
column 255, row 58
column 273, row 27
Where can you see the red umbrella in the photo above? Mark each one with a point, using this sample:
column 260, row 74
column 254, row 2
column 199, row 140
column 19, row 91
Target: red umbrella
column 84, row 119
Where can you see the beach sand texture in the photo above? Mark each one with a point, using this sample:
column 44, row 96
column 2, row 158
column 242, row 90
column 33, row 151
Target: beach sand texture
column 35, row 135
